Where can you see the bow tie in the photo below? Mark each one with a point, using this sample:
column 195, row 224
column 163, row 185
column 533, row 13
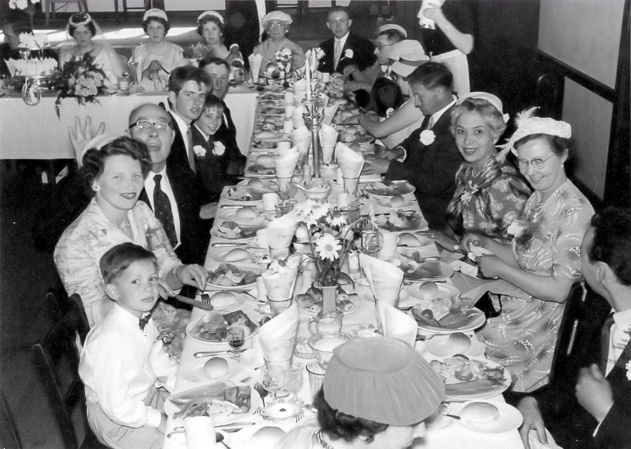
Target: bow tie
column 143, row 320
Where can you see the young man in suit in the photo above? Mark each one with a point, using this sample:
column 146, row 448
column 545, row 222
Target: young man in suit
column 600, row 411
column 345, row 52
column 171, row 190
column 188, row 86
column 429, row 157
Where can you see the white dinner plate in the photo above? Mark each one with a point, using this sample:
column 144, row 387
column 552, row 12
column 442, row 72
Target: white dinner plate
column 480, row 387
column 430, row 270
column 213, row 288
column 509, row 419
column 474, row 319
column 440, row 347
column 414, row 296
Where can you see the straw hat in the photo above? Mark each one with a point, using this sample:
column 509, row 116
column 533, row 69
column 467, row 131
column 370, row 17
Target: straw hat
column 384, row 380
column 276, row 15
column 408, row 55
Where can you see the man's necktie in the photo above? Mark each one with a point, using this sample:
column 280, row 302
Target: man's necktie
column 143, row 320
column 430, row 123
column 337, row 52
column 189, row 149
column 425, row 122
column 605, row 334
column 162, row 210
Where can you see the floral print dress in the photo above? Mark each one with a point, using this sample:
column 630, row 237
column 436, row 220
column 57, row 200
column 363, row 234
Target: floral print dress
column 547, row 242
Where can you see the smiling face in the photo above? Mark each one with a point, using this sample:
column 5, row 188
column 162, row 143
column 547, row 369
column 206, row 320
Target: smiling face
column 338, row 23
column 158, row 142
column 82, row 36
column 276, row 29
column 188, row 102
column 136, row 288
column 210, row 120
column 551, row 175
column 219, row 74
column 211, row 33
column 118, row 187
column 156, row 31
column 474, row 137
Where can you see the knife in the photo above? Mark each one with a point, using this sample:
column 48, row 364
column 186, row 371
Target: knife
column 192, row 302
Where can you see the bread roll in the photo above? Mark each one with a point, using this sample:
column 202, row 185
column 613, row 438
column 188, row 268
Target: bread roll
column 236, row 255
column 256, row 183
column 459, row 343
column 428, row 291
column 216, row 368
column 222, row 299
column 266, row 437
column 246, row 213
column 480, row 412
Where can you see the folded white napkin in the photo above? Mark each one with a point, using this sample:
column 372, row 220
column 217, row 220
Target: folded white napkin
column 277, row 337
column 351, row 162
column 297, row 117
column 279, row 280
column 424, row 21
column 256, row 61
column 328, row 138
column 397, row 324
column 329, row 114
column 384, row 278
column 281, row 230
column 302, row 139
column 286, row 162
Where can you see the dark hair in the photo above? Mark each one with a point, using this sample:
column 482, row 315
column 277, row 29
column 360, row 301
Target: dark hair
column 213, row 101
column 119, row 258
column 558, row 145
column 204, row 20
column 164, row 23
column 181, row 75
column 75, row 21
column 386, row 94
column 431, row 75
column 340, row 425
column 94, row 160
column 214, row 60
column 612, row 241
column 491, row 115
column 338, row 9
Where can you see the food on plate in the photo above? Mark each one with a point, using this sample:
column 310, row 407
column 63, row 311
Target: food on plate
column 460, row 369
column 236, row 255
column 266, row 161
column 400, row 220
column 246, row 213
column 480, row 412
column 417, row 268
column 459, row 343
column 427, row 291
column 242, row 194
column 205, row 401
column 256, row 184
column 447, row 311
column 261, row 170
column 311, row 301
column 407, row 239
column 229, row 275
column 265, row 135
column 266, row 437
column 222, row 299
column 268, row 126
column 214, row 326
column 216, row 368
column 397, row 201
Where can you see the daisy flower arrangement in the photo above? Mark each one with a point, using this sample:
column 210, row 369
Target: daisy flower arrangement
column 284, row 59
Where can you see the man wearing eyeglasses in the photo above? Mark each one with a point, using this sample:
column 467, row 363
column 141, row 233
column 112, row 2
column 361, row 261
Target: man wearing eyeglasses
column 171, row 190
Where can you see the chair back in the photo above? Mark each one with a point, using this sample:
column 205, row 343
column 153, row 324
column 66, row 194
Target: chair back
column 9, row 437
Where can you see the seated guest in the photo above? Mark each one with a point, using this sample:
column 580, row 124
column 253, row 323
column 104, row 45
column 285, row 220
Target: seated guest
column 376, row 393
column 543, row 259
column 188, row 86
column 210, row 28
column 116, row 175
column 172, row 192
column 123, row 356
column 157, row 56
column 219, row 161
column 430, row 155
column 344, row 49
column 82, row 29
column 490, row 193
column 600, row 413
column 243, row 25
column 276, row 25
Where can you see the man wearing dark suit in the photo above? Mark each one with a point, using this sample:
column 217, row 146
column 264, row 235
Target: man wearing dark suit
column 596, row 413
column 188, row 86
column 344, row 49
column 429, row 157
column 177, row 184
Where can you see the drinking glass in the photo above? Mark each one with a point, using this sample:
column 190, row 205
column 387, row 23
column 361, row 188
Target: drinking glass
column 275, row 376
column 371, row 242
column 294, row 381
column 236, row 339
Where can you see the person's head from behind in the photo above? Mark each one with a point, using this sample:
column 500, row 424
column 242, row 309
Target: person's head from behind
column 81, row 28
column 606, row 256
column 212, row 115
column 130, row 275
column 210, row 27
column 377, row 391
column 151, row 125
column 338, row 21
column 386, row 36
column 155, row 24
column 386, row 95
column 188, row 86
column 431, row 86
column 116, row 173
column 218, row 71
column 477, row 122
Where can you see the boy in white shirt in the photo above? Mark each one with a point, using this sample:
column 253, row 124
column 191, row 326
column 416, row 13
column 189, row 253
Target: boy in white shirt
column 123, row 358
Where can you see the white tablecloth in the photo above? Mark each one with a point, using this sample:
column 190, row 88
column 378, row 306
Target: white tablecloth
column 35, row 132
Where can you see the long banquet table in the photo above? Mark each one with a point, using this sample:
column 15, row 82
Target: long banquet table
column 248, row 372
column 35, row 132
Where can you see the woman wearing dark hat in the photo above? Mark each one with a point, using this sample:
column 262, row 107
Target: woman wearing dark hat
column 376, row 394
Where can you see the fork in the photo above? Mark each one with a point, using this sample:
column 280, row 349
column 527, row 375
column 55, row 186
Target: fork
column 299, row 416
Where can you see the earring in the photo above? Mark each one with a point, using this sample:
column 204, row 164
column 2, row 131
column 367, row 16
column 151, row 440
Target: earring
column 96, row 187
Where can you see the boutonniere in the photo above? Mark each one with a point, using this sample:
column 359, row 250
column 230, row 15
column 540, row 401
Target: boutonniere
column 219, row 149
column 427, row 137
column 628, row 367
column 348, row 53
column 516, row 229
column 199, row 151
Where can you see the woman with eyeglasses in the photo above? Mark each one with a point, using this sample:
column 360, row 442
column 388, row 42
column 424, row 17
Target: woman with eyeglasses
column 490, row 193
column 542, row 261
column 276, row 25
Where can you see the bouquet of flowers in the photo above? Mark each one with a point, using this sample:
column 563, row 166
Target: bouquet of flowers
column 283, row 61
column 82, row 79
column 21, row 4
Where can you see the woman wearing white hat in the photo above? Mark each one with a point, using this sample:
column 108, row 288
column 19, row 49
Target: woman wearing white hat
column 210, row 27
column 377, row 393
column 157, row 56
column 276, row 25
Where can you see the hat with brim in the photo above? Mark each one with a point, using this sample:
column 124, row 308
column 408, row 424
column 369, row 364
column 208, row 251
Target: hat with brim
column 408, row 54
column 383, row 380
column 214, row 14
column 405, row 68
column 391, row 26
column 155, row 13
column 276, row 15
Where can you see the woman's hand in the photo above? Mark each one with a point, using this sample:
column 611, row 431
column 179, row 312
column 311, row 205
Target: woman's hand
column 533, row 420
column 472, row 239
column 193, row 274
column 435, row 14
column 491, row 266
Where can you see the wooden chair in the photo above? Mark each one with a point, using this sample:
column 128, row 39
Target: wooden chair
column 9, row 436
column 57, row 360
column 49, row 7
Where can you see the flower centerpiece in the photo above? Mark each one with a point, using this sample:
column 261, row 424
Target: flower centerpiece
column 281, row 70
column 82, row 79
column 21, row 4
